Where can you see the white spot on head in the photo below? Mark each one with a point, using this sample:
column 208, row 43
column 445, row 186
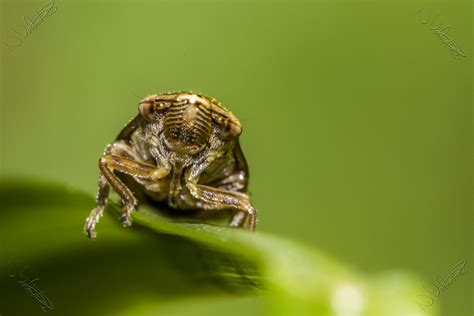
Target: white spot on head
column 190, row 113
column 192, row 100
column 347, row 300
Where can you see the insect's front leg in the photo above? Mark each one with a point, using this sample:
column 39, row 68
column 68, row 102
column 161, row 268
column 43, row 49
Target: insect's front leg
column 120, row 157
column 101, row 202
column 210, row 198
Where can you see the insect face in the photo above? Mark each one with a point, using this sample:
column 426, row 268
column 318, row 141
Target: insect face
column 189, row 120
column 187, row 126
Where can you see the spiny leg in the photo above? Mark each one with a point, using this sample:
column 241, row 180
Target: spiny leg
column 128, row 200
column 116, row 157
column 101, row 200
column 109, row 163
column 235, row 182
column 216, row 199
column 238, row 219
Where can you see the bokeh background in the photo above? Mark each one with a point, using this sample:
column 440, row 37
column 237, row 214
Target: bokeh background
column 357, row 119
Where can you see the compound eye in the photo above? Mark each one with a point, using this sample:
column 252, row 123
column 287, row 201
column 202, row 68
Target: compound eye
column 228, row 128
column 220, row 120
column 150, row 109
column 160, row 105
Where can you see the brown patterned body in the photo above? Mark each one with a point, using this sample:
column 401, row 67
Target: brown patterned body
column 182, row 149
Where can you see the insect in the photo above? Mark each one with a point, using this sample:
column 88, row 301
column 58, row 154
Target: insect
column 181, row 149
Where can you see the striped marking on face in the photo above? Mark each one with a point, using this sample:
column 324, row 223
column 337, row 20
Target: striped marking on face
column 188, row 125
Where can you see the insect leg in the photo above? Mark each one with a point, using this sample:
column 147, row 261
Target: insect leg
column 238, row 219
column 120, row 157
column 110, row 163
column 216, row 199
column 235, row 182
column 101, row 199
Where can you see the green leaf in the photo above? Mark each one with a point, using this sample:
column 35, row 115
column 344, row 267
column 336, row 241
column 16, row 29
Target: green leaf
column 161, row 266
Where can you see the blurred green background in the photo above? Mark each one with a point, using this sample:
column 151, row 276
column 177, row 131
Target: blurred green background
column 357, row 119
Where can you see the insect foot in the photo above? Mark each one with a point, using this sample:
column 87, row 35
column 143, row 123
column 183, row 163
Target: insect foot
column 126, row 220
column 92, row 220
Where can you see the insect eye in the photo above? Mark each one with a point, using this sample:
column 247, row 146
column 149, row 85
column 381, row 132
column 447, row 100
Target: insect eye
column 219, row 119
column 150, row 109
column 160, row 106
column 228, row 128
